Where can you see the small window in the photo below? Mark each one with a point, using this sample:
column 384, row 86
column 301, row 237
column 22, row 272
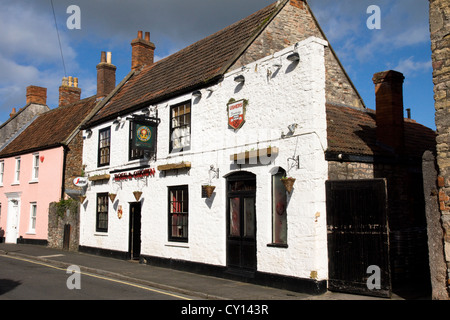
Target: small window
column 35, row 169
column 2, row 171
column 102, row 212
column 17, row 171
column 104, row 144
column 180, row 127
column 178, row 213
column 33, row 212
column 279, row 220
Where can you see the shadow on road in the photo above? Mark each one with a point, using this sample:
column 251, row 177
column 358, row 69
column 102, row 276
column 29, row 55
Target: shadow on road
column 8, row 285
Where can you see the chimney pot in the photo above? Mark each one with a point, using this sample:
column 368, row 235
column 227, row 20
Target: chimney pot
column 103, row 57
column 108, row 58
column 13, row 112
column 147, row 36
column 139, row 34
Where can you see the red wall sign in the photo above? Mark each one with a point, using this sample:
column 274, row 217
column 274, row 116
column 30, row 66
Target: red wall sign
column 136, row 175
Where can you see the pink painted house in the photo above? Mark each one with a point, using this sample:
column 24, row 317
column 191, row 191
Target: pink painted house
column 37, row 166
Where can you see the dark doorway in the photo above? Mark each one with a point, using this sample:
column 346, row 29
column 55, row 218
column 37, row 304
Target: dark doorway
column 358, row 238
column 134, row 250
column 66, row 238
column 241, row 223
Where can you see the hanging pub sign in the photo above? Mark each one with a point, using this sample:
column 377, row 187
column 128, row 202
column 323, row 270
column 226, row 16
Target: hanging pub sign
column 144, row 133
column 236, row 113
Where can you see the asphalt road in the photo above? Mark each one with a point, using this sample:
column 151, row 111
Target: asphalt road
column 22, row 279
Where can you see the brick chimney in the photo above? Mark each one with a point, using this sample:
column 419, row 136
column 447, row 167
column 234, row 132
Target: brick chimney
column 142, row 51
column 106, row 75
column 69, row 91
column 36, row 95
column 389, row 108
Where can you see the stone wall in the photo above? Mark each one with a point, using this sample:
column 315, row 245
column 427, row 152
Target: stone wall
column 440, row 46
column 60, row 215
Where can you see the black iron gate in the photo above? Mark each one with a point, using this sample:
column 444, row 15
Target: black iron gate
column 358, row 241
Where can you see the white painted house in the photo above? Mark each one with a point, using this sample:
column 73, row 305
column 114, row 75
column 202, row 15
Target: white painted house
column 238, row 110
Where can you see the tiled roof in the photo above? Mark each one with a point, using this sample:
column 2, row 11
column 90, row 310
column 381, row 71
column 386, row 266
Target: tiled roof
column 51, row 128
column 353, row 131
column 191, row 67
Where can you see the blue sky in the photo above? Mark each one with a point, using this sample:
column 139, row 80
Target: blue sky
column 30, row 53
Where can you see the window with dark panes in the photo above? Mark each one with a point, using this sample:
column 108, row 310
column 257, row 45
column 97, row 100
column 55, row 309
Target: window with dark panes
column 104, row 146
column 279, row 202
column 102, row 212
column 178, row 213
column 180, row 127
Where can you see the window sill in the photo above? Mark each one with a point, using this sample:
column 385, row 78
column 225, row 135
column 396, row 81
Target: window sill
column 277, row 245
column 15, row 183
column 31, row 232
column 33, row 181
column 177, row 245
column 100, row 234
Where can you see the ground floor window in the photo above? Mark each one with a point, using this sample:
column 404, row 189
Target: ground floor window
column 178, row 213
column 279, row 221
column 33, row 211
column 102, row 212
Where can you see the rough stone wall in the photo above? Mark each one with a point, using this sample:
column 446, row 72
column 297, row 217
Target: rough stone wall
column 74, row 162
column 58, row 218
column 294, row 23
column 440, row 46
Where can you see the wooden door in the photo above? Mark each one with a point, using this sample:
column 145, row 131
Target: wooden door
column 358, row 241
column 241, row 223
column 135, row 231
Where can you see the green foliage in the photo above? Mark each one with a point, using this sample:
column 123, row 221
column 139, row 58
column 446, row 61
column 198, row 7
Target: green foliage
column 63, row 205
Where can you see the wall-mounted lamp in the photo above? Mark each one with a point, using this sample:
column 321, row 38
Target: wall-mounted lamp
column 89, row 132
column 292, row 128
column 239, row 79
column 197, row 94
column 117, row 121
column 293, row 57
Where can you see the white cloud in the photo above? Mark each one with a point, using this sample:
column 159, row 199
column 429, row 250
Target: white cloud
column 409, row 67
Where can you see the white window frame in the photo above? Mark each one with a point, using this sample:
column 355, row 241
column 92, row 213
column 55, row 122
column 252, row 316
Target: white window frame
column 2, row 171
column 35, row 168
column 17, row 171
column 33, row 216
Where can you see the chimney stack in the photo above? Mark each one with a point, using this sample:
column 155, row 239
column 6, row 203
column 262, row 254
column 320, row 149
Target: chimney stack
column 106, row 76
column 389, row 108
column 142, row 51
column 69, row 91
column 36, row 95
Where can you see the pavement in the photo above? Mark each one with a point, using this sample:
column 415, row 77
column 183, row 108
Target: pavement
column 196, row 285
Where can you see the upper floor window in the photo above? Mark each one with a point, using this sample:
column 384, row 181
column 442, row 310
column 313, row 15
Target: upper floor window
column 17, row 171
column 2, row 171
column 180, row 127
column 35, row 169
column 104, row 147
